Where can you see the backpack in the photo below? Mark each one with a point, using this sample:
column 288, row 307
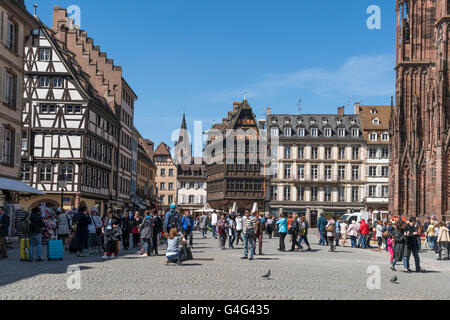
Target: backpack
column 330, row 228
column 25, row 225
column 158, row 224
column 173, row 220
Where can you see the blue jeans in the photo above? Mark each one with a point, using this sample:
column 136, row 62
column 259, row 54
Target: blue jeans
column 248, row 242
column 416, row 259
column 204, row 232
column 147, row 245
column 322, row 239
column 419, row 243
column 231, row 238
column 363, row 241
column 213, row 228
column 353, row 241
column 35, row 241
column 430, row 242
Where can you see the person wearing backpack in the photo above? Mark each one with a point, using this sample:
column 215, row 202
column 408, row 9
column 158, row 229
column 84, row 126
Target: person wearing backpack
column 4, row 227
column 37, row 224
column 63, row 227
column 146, row 231
column 270, row 226
column 157, row 229
column 293, row 230
column 187, row 223
column 222, row 227
column 171, row 219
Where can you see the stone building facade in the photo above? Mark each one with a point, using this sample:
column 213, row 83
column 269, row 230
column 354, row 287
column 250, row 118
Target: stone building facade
column 166, row 176
column 419, row 130
column 319, row 164
column 375, row 130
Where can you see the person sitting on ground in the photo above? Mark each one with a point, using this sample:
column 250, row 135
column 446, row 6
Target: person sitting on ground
column 173, row 253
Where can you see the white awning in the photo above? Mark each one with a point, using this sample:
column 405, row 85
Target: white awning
column 18, row 186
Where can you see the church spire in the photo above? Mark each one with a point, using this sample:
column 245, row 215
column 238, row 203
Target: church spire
column 183, row 122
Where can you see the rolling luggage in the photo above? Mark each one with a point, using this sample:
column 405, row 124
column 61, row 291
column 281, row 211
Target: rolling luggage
column 24, row 249
column 55, row 250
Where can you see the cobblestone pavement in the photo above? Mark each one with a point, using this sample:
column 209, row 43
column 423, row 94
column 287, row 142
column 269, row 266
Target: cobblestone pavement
column 217, row 274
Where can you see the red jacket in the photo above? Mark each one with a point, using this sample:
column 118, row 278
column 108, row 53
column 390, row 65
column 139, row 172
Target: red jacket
column 364, row 227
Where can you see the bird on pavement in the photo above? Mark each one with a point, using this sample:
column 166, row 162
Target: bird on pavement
column 267, row 275
column 394, row 279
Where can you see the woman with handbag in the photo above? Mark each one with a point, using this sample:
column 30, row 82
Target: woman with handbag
column 135, row 229
column 222, row 227
column 331, row 233
column 95, row 230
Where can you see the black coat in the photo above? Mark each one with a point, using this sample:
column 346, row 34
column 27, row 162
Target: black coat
column 36, row 223
column 114, row 233
column 411, row 240
column 81, row 236
column 4, row 221
column 399, row 244
column 126, row 225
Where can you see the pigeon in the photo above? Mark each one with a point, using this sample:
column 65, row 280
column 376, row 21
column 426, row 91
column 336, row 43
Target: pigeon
column 267, row 275
column 394, row 279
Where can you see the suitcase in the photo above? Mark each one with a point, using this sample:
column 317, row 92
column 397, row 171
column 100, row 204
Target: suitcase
column 24, row 249
column 55, row 250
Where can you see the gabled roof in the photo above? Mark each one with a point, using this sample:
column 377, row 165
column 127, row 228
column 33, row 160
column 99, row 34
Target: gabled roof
column 368, row 113
column 162, row 150
column 233, row 116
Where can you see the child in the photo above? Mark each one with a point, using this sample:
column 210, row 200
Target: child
column 390, row 244
column 443, row 241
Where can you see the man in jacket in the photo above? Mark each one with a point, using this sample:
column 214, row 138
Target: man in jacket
column 321, row 224
column 4, row 227
column 364, row 231
column 203, row 224
column 37, row 224
column 259, row 230
column 171, row 219
column 295, row 228
column 146, row 231
column 248, row 232
column 411, row 233
column 80, row 240
column 187, row 223
column 126, row 230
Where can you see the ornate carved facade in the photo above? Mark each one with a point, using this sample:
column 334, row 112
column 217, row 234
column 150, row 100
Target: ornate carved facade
column 419, row 125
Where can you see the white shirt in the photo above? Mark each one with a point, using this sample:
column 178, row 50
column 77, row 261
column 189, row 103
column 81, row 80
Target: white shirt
column 379, row 231
column 213, row 219
column 238, row 223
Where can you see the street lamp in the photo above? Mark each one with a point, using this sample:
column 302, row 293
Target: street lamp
column 62, row 183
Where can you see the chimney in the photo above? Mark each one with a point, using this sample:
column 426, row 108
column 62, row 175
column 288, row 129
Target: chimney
column 341, row 111
column 357, row 104
column 268, row 111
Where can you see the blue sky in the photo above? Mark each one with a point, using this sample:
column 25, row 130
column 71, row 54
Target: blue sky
column 199, row 56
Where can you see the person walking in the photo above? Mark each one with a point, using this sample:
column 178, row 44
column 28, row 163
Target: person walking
column 214, row 224
column 390, row 246
column 431, row 235
column 111, row 231
column 125, row 226
column 443, row 241
column 95, row 229
column 364, row 232
column 338, row 231
column 4, row 228
column 270, row 226
column 146, row 232
column 37, row 224
column 231, row 232
column 63, row 227
column 303, row 233
column 135, row 223
column 259, row 231
column 344, row 229
column 80, row 240
column 352, row 232
column 248, row 232
column 321, row 226
column 239, row 227
column 412, row 247
column 331, row 233
column 294, row 229
column 379, row 234
column 187, row 224
column 222, row 228
column 203, row 224
column 282, row 230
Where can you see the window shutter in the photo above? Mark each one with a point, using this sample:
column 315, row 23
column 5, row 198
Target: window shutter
column 1, row 143
column 2, row 22
column 378, row 191
column 1, row 84
column 367, row 170
column 18, row 149
column 378, row 171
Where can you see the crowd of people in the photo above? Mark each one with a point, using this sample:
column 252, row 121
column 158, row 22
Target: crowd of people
column 84, row 230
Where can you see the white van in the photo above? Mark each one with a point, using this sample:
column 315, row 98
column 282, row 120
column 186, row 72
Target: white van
column 357, row 216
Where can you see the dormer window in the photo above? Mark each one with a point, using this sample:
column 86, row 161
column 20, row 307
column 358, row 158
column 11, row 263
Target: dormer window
column 355, row 133
column 385, row 136
column 325, row 120
column 352, row 121
column 373, row 137
column 300, row 120
column 338, row 120
column 301, row 132
column 274, row 132
column 376, row 121
column 274, row 120
column 287, row 132
column 287, row 120
column 327, row 132
column 314, row 132
column 312, row 120
column 373, row 111
column 341, row 132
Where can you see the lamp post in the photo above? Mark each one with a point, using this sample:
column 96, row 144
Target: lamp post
column 62, row 183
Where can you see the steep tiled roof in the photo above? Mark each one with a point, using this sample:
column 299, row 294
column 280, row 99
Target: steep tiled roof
column 368, row 113
column 162, row 150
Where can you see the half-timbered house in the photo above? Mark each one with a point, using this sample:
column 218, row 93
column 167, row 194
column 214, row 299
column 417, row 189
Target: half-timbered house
column 68, row 127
